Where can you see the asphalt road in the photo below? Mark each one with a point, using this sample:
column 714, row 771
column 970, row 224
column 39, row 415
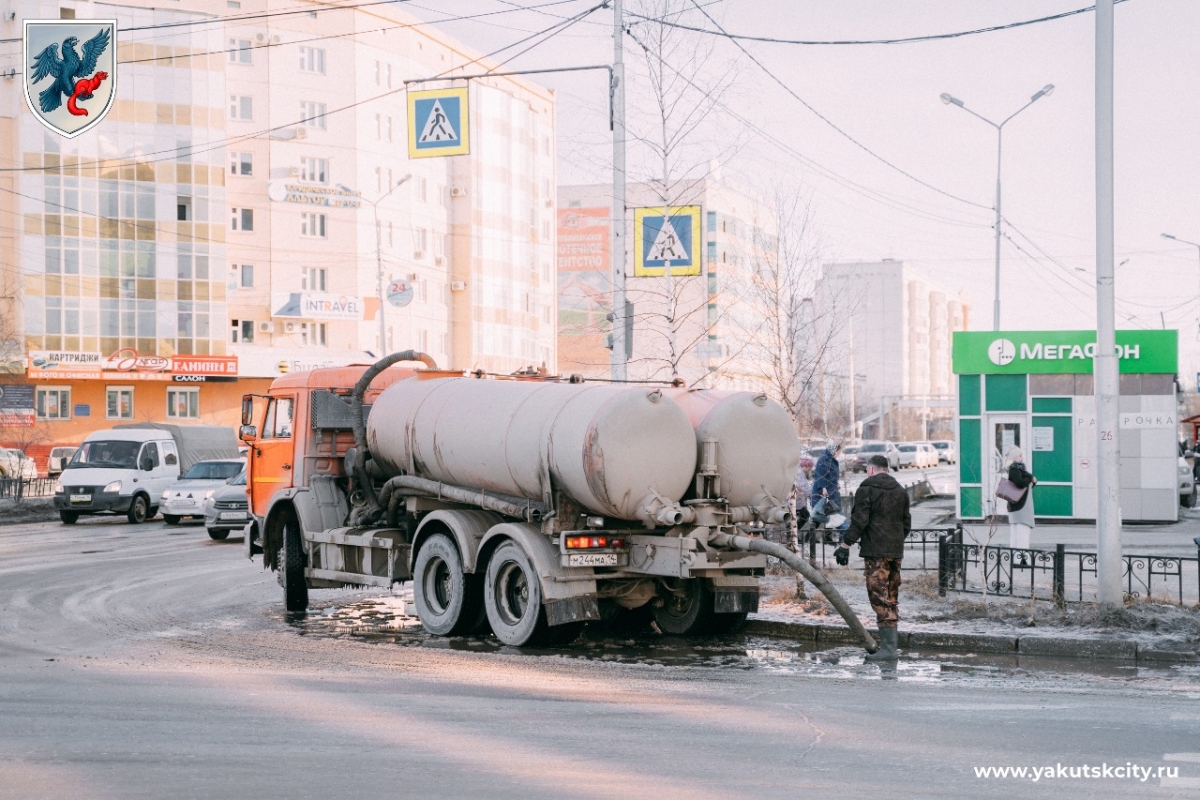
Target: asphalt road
column 143, row 661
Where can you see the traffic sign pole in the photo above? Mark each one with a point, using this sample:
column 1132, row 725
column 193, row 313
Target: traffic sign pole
column 618, row 359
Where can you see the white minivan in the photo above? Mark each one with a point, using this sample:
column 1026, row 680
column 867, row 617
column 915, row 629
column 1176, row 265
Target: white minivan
column 122, row 471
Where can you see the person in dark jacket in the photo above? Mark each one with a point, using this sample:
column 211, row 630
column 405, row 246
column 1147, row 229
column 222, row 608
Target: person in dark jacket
column 880, row 522
column 827, row 475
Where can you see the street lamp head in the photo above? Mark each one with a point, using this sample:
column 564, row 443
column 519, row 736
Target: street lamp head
column 949, row 98
column 405, row 179
column 1046, row 90
column 1166, row 236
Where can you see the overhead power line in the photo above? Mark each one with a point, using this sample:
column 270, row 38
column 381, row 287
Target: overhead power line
column 721, row 32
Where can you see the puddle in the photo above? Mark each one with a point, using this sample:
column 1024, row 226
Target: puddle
column 382, row 620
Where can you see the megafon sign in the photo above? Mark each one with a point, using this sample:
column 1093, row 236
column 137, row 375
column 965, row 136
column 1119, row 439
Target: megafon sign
column 1062, row 352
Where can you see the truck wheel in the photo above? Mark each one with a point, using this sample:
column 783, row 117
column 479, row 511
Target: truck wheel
column 139, row 510
column 449, row 602
column 513, row 596
column 213, row 533
column 688, row 608
column 171, row 519
column 69, row 517
column 291, row 566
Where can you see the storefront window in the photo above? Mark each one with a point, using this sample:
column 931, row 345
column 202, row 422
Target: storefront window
column 53, row 402
column 183, row 403
column 119, row 402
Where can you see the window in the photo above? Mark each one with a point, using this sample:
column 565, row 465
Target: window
column 241, row 107
column 312, row 279
column 439, row 244
column 315, row 170
column 313, row 334
column 383, row 74
column 149, row 456
column 183, row 209
column 241, row 219
column 422, row 340
column 312, row 224
column 241, row 163
column 421, row 188
column 420, row 242
column 183, row 403
column 389, row 127
column 312, row 59
column 241, row 329
column 278, row 422
column 247, row 276
column 712, row 221
column 119, row 402
column 312, row 114
column 53, row 402
column 239, row 51
column 712, row 251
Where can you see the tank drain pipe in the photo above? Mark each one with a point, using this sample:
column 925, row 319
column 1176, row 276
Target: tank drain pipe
column 359, row 419
column 810, row 573
column 410, row 484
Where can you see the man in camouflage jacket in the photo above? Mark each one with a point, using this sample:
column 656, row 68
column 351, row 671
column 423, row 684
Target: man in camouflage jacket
column 880, row 522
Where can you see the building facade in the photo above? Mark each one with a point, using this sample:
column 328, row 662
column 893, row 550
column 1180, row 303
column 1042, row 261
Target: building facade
column 249, row 205
column 697, row 327
column 888, row 328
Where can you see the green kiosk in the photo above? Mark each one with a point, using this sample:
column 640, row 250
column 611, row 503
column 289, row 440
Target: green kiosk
column 1034, row 390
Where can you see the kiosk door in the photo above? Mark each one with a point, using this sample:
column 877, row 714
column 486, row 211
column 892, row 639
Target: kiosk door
column 1004, row 432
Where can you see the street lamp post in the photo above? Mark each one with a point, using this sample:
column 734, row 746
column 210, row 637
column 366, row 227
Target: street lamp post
column 949, row 99
column 1182, row 241
column 383, row 346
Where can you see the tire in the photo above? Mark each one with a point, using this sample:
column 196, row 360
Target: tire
column 513, row 598
column 139, row 510
column 68, row 517
column 687, row 610
column 213, row 533
column 449, row 602
column 1190, row 500
column 291, row 566
column 171, row 519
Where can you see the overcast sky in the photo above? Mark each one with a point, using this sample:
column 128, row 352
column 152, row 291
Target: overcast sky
column 887, row 98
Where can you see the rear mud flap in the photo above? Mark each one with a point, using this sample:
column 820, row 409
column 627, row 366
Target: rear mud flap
column 575, row 609
column 742, row 602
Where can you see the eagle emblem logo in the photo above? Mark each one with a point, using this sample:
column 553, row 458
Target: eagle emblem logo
column 70, row 72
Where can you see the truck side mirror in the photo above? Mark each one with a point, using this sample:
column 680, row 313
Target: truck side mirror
column 247, row 432
column 247, row 409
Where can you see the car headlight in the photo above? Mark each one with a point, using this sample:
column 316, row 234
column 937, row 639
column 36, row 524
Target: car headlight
column 208, row 495
column 115, row 486
column 1183, row 469
column 58, row 487
column 166, row 495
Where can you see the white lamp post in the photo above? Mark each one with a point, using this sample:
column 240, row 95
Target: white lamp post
column 949, row 99
column 383, row 345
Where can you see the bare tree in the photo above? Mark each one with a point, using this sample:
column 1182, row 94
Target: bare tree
column 680, row 85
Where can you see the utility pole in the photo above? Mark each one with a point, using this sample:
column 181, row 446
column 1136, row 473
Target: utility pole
column 1108, row 506
column 383, row 342
column 617, row 360
column 853, row 385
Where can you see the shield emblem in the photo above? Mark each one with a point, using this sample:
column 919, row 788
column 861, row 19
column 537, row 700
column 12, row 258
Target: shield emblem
column 70, row 72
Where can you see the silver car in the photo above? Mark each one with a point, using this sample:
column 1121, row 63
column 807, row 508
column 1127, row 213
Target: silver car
column 185, row 497
column 228, row 509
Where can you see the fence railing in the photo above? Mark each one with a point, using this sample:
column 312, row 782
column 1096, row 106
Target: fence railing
column 1061, row 575
column 18, row 488
column 920, row 546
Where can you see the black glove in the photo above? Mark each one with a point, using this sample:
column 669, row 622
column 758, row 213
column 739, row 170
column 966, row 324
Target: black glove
column 842, row 556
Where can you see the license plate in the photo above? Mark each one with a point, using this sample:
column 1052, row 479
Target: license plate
column 233, row 515
column 592, row 560
column 81, row 498
column 184, row 502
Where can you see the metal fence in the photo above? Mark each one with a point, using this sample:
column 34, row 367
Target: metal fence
column 19, row 488
column 920, row 546
column 1061, row 575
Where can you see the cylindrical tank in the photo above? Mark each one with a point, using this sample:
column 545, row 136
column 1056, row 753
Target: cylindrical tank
column 607, row 448
column 756, row 443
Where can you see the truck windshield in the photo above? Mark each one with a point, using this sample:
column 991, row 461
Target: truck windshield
column 213, row 470
column 121, row 455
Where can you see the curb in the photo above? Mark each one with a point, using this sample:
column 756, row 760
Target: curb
column 1093, row 649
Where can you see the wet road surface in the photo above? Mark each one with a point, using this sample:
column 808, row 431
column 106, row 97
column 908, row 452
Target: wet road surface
column 143, row 661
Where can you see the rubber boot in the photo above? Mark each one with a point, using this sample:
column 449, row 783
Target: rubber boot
column 887, row 645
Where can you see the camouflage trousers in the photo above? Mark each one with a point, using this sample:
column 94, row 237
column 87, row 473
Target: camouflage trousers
column 883, row 589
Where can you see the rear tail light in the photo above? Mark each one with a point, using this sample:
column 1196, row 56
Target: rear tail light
column 593, row 542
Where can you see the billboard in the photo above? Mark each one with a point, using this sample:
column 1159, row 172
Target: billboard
column 584, row 289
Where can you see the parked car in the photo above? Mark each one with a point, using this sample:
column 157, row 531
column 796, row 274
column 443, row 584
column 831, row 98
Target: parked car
column 59, row 457
column 1187, row 481
column 15, row 464
column 228, row 509
column 851, row 461
column 929, row 455
column 887, row 449
column 910, row 455
column 947, row 451
column 186, row 497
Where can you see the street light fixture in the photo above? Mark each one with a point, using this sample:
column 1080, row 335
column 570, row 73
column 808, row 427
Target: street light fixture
column 383, row 346
column 950, row 99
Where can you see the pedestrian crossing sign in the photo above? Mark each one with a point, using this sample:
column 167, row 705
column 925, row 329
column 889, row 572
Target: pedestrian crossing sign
column 437, row 123
column 666, row 237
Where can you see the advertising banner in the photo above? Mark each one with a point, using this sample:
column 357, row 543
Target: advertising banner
column 1061, row 352
column 63, row 365
column 16, row 405
column 584, row 289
